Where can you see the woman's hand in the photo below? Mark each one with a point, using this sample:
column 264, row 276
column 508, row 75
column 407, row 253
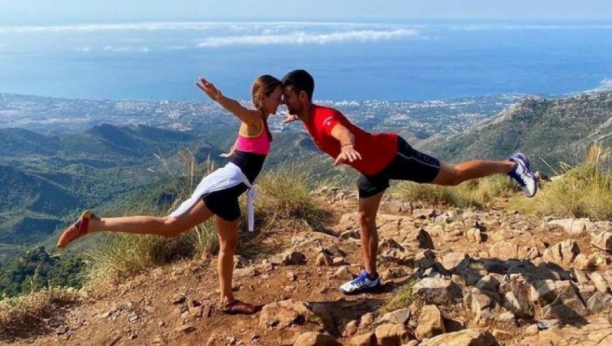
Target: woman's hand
column 209, row 89
column 348, row 154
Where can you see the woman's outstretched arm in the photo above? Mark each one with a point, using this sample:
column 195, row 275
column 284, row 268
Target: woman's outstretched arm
column 247, row 116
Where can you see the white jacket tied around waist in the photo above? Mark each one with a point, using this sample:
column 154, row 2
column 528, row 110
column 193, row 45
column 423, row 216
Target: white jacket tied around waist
column 221, row 179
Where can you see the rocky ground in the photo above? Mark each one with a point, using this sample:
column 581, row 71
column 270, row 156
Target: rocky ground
column 480, row 278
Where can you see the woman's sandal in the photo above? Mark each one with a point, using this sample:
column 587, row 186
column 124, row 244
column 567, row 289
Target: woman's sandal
column 237, row 307
column 76, row 230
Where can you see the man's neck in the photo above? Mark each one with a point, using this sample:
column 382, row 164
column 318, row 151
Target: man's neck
column 306, row 113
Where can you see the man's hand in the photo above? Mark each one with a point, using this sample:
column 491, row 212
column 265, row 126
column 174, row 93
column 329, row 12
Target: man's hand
column 209, row 89
column 290, row 118
column 348, row 154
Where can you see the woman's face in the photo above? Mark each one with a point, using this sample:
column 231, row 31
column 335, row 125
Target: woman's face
column 272, row 102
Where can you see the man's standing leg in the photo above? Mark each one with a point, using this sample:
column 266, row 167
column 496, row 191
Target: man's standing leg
column 368, row 209
column 368, row 280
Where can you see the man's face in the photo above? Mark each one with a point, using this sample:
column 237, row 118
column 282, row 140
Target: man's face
column 291, row 99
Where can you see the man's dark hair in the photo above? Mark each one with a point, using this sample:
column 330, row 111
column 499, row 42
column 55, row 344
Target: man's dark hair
column 300, row 80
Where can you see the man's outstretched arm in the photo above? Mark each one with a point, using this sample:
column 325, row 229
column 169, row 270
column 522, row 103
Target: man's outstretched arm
column 347, row 143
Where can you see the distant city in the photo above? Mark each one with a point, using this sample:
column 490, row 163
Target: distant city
column 54, row 115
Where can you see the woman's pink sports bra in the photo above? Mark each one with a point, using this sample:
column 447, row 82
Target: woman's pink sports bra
column 259, row 144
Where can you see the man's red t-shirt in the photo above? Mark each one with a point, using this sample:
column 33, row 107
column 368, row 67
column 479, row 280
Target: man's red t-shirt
column 377, row 149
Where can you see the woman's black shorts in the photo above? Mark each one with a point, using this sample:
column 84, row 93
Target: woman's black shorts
column 224, row 203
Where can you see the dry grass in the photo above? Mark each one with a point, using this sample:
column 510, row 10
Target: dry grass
column 126, row 254
column 583, row 191
column 475, row 193
column 25, row 312
column 402, row 298
column 284, row 201
column 284, row 197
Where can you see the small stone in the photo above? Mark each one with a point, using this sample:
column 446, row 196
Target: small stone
column 474, row 235
column 188, row 328
column 532, row 330
column 400, row 316
column 600, row 283
column 62, row 330
column 178, row 299
column 323, row 259
column 351, row 234
column 366, row 320
column 133, row 319
column 343, row 273
column 603, row 241
column 245, row 273
column 338, row 261
column 468, row 337
column 392, row 334
column 315, row 339
column 351, row 329
column 291, row 276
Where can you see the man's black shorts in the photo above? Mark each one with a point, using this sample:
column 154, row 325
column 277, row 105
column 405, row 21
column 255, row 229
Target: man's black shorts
column 409, row 164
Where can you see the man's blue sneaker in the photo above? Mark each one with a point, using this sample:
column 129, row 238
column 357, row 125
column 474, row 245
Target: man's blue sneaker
column 362, row 284
column 523, row 175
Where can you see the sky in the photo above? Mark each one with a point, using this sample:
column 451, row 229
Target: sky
column 35, row 12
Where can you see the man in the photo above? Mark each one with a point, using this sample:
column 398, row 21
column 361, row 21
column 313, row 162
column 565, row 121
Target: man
column 381, row 157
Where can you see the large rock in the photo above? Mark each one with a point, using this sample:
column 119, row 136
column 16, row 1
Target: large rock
column 400, row 316
column 490, row 282
column 517, row 296
column 438, row 291
column 393, row 334
column 287, row 313
column 479, row 301
column 368, row 339
column 599, row 302
column 315, row 339
column 504, row 250
column 560, row 299
column 603, row 241
column 562, row 253
column 468, row 337
column 424, row 240
column 574, row 227
column 596, row 333
column 425, row 259
column 451, row 260
column 430, row 324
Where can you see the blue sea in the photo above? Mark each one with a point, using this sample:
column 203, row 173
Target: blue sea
column 350, row 61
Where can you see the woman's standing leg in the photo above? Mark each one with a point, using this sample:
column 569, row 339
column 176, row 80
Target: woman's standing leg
column 228, row 240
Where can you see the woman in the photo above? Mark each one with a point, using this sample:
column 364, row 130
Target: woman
column 217, row 194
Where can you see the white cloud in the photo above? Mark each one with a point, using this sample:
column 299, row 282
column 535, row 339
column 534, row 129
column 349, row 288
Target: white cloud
column 114, row 49
column 83, row 49
column 307, row 38
column 233, row 26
